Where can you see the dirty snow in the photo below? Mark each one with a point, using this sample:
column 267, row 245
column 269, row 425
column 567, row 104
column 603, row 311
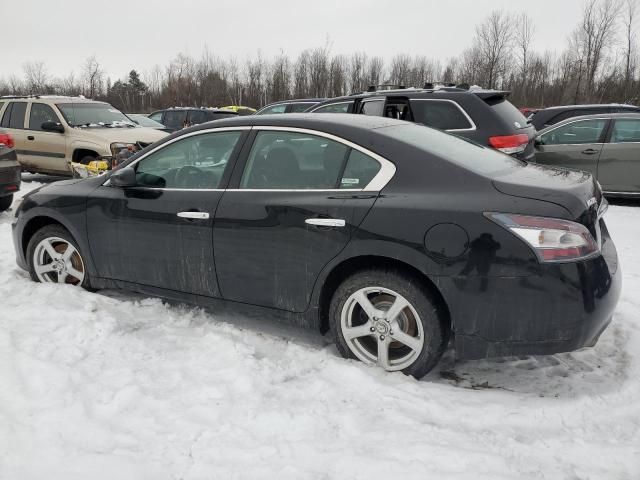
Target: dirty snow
column 115, row 385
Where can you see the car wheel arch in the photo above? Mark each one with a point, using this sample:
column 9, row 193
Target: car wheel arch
column 80, row 153
column 352, row 265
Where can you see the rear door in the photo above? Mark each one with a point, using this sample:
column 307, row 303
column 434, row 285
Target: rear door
column 619, row 165
column 576, row 145
column 293, row 208
column 13, row 121
column 44, row 150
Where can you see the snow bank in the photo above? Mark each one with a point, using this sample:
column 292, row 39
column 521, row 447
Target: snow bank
column 114, row 385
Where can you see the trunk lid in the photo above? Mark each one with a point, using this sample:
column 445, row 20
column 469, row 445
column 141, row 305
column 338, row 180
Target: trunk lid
column 578, row 192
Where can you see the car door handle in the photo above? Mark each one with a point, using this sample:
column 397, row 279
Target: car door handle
column 325, row 222
column 589, row 151
column 31, row 137
column 194, row 215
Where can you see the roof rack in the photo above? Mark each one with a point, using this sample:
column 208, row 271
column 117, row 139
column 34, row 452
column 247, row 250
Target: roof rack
column 384, row 86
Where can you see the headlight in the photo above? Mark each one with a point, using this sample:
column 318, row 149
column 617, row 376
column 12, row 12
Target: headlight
column 117, row 147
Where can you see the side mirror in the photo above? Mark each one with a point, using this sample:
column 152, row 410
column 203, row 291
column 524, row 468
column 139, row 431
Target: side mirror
column 538, row 141
column 125, row 177
column 52, row 127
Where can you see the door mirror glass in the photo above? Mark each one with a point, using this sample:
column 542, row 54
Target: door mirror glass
column 52, row 127
column 194, row 162
column 124, row 177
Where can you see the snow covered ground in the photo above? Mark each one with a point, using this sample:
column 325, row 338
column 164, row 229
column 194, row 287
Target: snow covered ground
column 118, row 386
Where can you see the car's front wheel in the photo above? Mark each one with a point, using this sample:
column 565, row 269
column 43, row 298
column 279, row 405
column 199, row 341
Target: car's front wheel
column 5, row 202
column 54, row 257
column 388, row 319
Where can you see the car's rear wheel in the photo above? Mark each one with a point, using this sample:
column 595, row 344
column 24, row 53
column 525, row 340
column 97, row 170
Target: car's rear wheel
column 5, row 202
column 54, row 257
column 388, row 319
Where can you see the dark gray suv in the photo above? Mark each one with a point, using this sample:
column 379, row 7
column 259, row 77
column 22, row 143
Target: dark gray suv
column 484, row 116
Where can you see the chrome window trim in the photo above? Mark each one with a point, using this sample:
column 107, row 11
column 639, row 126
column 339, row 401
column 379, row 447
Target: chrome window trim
column 347, row 102
column 569, row 123
column 377, row 183
column 173, row 140
column 462, row 110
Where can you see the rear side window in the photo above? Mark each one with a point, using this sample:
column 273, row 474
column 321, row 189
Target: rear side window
column 360, row 170
column 14, row 115
column 508, row 112
column 274, row 109
column 156, row 116
column 196, row 117
column 41, row 113
column 293, row 160
column 299, row 107
column 343, row 107
column 626, row 131
column 175, row 118
column 440, row 114
column 374, row 108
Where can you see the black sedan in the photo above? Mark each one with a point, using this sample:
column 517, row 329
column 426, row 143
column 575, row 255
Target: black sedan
column 9, row 171
column 392, row 236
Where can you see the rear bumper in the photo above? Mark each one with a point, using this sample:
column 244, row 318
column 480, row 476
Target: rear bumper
column 9, row 177
column 562, row 308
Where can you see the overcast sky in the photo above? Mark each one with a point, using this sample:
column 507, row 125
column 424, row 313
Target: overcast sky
column 126, row 34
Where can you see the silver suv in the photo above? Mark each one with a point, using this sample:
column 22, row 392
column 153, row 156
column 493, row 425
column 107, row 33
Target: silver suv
column 51, row 132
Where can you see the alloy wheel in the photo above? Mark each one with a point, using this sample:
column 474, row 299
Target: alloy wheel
column 56, row 260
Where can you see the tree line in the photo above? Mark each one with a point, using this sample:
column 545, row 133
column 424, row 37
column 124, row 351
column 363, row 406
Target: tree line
column 598, row 64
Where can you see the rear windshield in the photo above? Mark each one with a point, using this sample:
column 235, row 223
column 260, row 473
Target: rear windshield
column 506, row 110
column 462, row 152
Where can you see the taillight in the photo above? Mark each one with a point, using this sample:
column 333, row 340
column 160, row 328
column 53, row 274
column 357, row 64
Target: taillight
column 553, row 239
column 7, row 140
column 510, row 144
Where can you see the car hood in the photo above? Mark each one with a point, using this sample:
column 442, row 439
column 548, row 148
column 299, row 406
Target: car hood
column 123, row 134
column 573, row 190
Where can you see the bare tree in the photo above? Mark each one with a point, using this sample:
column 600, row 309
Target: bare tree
column 523, row 39
column 494, row 38
column 93, row 77
column 36, row 76
column 631, row 7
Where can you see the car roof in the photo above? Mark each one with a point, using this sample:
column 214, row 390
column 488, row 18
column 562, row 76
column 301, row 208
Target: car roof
column 422, row 93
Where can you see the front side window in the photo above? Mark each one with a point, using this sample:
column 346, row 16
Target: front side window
column 576, row 133
column 41, row 113
column 440, row 114
column 334, row 108
column 292, row 160
column 157, row 116
column 626, row 131
column 14, row 115
column 374, row 108
column 274, row 109
column 195, row 162
column 299, row 107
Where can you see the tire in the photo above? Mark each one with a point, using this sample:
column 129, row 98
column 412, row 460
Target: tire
column 49, row 261
column 420, row 336
column 5, row 202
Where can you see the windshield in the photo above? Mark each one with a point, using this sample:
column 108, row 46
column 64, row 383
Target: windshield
column 145, row 121
column 461, row 151
column 93, row 115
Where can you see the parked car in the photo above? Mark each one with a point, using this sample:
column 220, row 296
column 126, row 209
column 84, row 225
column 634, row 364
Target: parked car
column 290, row 106
column 145, row 121
column 550, row 116
column 176, row 118
column 52, row 132
column 239, row 109
column 483, row 116
column 391, row 235
column 528, row 111
column 607, row 146
column 9, row 171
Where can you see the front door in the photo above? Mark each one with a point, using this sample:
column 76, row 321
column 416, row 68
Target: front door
column 576, row 145
column 619, row 166
column 46, row 150
column 159, row 232
column 287, row 213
